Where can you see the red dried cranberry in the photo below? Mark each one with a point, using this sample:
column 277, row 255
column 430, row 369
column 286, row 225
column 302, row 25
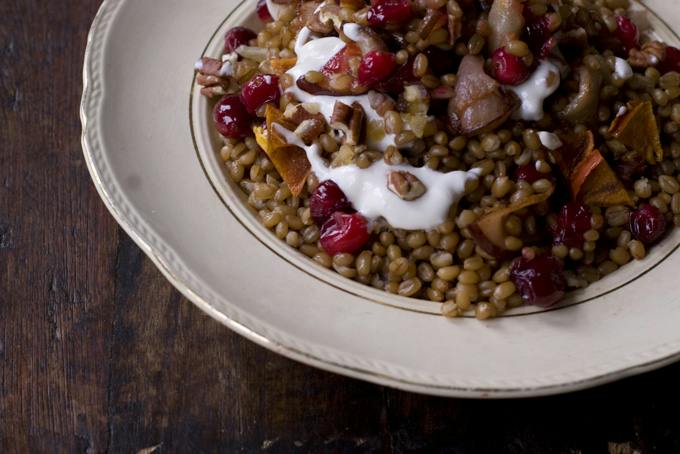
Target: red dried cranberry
column 402, row 76
column 529, row 174
column 231, row 117
column 259, row 90
column 629, row 170
column 573, row 221
column 263, row 11
column 238, row 36
column 627, row 33
column 339, row 63
column 647, row 224
column 344, row 233
column 538, row 34
column 326, row 200
column 389, row 12
column 671, row 62
column 508, row 69
column 376, row 66
column 539, row 281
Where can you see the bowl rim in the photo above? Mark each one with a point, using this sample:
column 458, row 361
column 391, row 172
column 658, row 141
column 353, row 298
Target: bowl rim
column 91, row 104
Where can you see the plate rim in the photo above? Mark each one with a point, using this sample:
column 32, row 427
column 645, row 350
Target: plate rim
column 90, row 106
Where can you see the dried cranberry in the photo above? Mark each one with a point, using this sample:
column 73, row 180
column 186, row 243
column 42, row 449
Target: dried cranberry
column 326, row 200
column 671, row 62
column 389, row 12
column 238, row 36
column 401, row 77
column 376, row 66
column 263, row 11
column 538, row 33
column 529, row 174
column 628, row 170
column 508, row 69
column 647, row 224
column 259, row 90
column 231, row 117
column 573, row 221
column 539, row 281
column 627, row 33
column 344, row 233
column 340, row 62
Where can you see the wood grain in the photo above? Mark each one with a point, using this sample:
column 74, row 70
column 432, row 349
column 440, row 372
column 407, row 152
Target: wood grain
column 98, row 353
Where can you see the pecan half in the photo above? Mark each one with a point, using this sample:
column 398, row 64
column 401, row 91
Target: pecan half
column 348, row 119
column 210, row 77
column 651, row 54
column 405, row 185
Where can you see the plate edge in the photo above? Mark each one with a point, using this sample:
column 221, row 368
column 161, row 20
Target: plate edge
column 106, row 13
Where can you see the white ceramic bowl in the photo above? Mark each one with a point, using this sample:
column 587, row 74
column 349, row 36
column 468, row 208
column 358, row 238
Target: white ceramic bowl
column 151, row 151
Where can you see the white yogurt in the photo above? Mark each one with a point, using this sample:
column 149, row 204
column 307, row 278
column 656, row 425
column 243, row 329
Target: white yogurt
column 311, row 56
column 622, row 69
column 275, row 10
column 352, row 31
column 368, row 192
column 550, row 140
column 228, row 61
column 542, row 83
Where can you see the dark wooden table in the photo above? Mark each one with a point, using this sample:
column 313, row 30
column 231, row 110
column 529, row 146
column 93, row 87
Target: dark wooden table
column 98, row 353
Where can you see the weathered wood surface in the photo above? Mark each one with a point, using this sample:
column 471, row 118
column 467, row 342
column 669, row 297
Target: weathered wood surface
column 98, row 353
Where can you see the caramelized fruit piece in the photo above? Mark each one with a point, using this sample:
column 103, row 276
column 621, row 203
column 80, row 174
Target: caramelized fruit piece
column 637, row 129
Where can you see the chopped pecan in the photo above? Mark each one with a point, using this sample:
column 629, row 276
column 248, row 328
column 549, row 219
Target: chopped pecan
column 301, row 112
column 337, row 85
column 303, row 14
column 381, row 102
column 392, row 156
column 433, row 20
column 341, row 113
column 308, row 130
column 406, row 185
column 325, row 18
column 366, row 38
column 651, row 54
column 345, row 155
column 211, row 78
column 454, row 16
column 350, row 120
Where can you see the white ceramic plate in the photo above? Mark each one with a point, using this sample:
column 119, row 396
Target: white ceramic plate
column 151, row 153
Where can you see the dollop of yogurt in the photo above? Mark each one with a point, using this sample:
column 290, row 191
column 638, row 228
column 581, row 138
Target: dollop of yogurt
column 275, row 10
column 532, row 93
column 622, row 69
column 352, row 31
column 367, row 188
column 311, row 56
column 368, row 192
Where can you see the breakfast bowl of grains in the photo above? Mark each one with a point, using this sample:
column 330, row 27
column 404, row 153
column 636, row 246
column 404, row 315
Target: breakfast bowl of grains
column 367, row 186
